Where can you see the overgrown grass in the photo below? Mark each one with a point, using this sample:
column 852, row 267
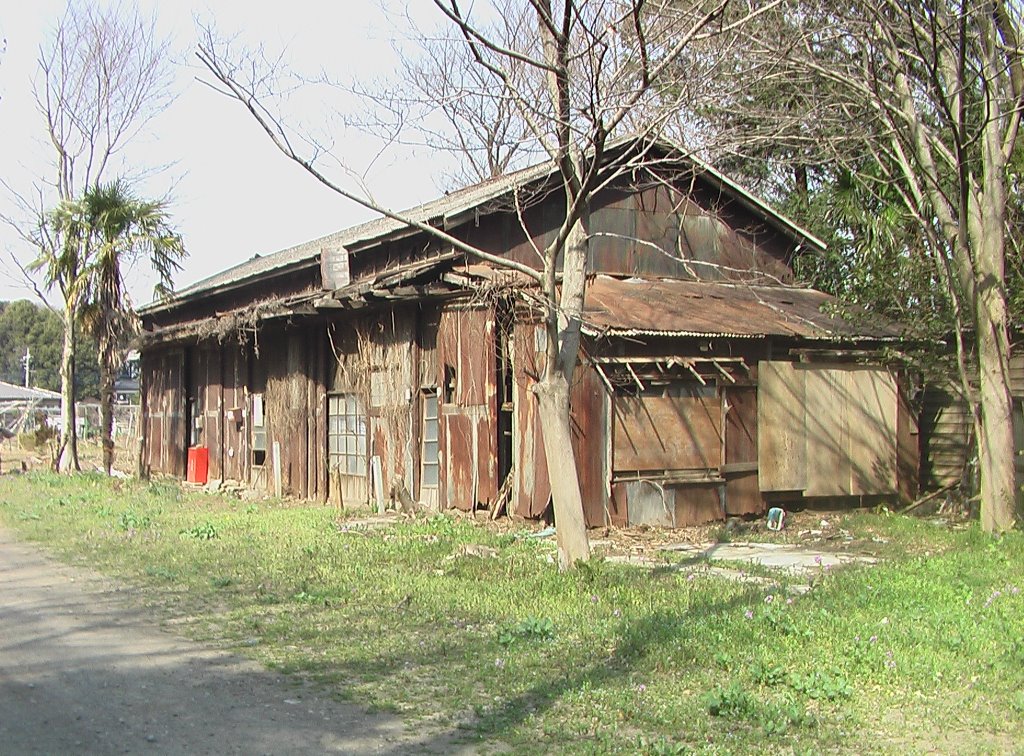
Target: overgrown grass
column 921, row 652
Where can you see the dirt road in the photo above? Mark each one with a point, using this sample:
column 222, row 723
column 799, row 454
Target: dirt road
column 83, row 671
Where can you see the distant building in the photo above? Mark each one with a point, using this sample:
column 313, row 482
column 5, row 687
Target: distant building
column 19, row 404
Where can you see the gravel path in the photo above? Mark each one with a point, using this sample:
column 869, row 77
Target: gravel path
column 83, row 671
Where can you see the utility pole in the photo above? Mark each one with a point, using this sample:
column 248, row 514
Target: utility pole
column 27, row 362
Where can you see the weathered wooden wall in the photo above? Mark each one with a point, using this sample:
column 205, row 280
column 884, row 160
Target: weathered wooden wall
column 164, row 411
column 293, row 361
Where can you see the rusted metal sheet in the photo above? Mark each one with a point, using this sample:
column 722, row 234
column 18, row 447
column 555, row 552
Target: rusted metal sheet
column 589, row 410
column 677, row 431
column 458, row 487
column 742, row 496
column 467, row 362
column 640, row 307
column 532, row 490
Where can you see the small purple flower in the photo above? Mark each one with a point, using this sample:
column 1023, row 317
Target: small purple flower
column 749, row 614
column 769, row 598
column 499, row 663
column 641, row 688
column 690, row 578
column 789, row 601
column 593, row 599
column 817, row 560
column 1014, row 590
column 873, row 639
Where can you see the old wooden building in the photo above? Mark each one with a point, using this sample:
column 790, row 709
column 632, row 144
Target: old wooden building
column 709, row 384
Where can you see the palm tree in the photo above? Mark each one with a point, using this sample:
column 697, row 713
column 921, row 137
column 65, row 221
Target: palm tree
column 125, row 229
column 86, row 246
column 65, row 246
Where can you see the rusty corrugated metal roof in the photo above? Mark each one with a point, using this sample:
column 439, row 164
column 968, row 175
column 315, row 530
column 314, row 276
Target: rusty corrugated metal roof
column 444, row 210
column 635, row 307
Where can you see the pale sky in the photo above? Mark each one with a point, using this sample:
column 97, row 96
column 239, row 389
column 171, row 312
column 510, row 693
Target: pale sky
column 232, row 194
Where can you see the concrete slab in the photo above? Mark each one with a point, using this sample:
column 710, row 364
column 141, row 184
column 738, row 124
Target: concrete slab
column 792, row 558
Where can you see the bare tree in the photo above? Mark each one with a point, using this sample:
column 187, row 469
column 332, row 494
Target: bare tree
column 102, row 76
column 928, row 95
column 583, row 73
column 441, row 99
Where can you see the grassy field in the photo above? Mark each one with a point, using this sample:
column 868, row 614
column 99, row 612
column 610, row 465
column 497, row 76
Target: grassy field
column 448, row 624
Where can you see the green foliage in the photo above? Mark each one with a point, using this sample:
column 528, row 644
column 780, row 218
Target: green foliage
column 204, row 531
column 529, row 629
column 132, row 521
column 24, row 325
column 612, row 660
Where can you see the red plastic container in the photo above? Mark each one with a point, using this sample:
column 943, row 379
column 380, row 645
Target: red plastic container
column 198, row 464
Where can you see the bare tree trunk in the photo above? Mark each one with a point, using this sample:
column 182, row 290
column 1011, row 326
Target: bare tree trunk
column 570, row 526
column 67, row 460
column 106, row 402
column 553, row 403
column 995, row 443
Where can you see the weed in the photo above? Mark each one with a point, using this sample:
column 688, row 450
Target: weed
column 132, row 521
column 820, row 684
column 161, row 572
column 529, row 629
column 204, row 531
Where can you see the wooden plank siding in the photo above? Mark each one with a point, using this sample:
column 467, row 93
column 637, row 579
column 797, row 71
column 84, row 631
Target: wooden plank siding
column 164, row 412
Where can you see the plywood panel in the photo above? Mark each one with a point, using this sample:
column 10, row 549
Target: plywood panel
column 908, row 456
column 742, row 495
column 780, row 425
column 697, row 505
column 740, row 424
column 679, row 431
column 872, row 431
column 827, row 418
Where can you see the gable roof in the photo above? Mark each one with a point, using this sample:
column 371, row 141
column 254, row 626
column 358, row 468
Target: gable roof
column 445, row 212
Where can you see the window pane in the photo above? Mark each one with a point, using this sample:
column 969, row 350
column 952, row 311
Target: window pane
column 430, row 430
column 430, row 475
column 430, row 452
